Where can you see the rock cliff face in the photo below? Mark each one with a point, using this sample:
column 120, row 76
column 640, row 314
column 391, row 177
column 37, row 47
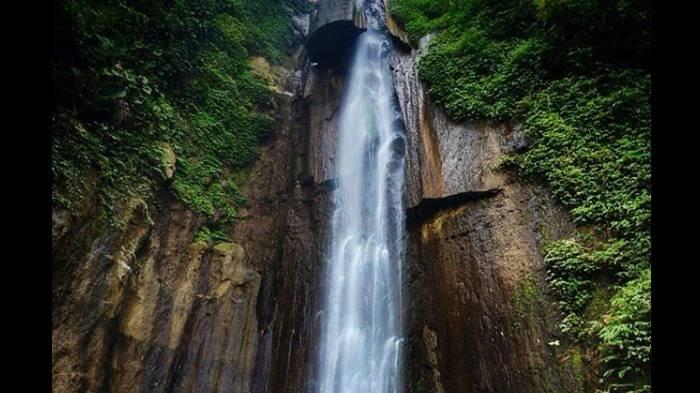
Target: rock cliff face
column 149, row 309
column 142, row 309
column 479, row 319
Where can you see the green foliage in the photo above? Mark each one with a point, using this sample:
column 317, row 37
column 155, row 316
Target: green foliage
column 626, row 338
column 474, row 77
column 206, row 235
column 130, row 75
column 575, row 74
column 569, row 277
column 419, row 17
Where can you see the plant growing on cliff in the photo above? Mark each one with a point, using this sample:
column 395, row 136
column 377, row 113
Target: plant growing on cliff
column 569, row 276
column 576, row 76
column 625, row 336
column 206, row 234
column 130, row 76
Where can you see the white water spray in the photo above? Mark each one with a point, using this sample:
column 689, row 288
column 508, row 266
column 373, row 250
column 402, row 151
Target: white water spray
column 361, row 343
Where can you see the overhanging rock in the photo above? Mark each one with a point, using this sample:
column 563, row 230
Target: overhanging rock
column 333, row 32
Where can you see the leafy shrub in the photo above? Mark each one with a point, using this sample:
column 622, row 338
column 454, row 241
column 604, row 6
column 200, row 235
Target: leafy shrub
column 206, row 234
column 626, row 338
column 569, row 277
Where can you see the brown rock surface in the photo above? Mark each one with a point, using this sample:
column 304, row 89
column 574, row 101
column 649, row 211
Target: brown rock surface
column 476, row 280
column 145, row 309
column 478, row 316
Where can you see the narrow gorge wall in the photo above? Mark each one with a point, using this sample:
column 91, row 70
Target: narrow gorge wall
column 149, row 309
column 479, row 319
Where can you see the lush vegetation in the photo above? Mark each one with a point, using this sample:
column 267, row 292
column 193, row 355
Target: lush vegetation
column 576, row 75
column 208, row 235
column 135, row 79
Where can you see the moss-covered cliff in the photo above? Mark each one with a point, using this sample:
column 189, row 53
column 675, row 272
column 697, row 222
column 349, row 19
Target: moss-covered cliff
column 140, row 86
column 576, row 77
column 173, row 169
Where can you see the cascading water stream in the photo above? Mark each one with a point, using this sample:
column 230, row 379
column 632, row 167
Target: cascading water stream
column 361, row 340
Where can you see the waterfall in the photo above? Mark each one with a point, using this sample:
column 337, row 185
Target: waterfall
column 361, row 343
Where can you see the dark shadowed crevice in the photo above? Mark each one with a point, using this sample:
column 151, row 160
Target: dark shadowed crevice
column 428, row 207
column 331, row 45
